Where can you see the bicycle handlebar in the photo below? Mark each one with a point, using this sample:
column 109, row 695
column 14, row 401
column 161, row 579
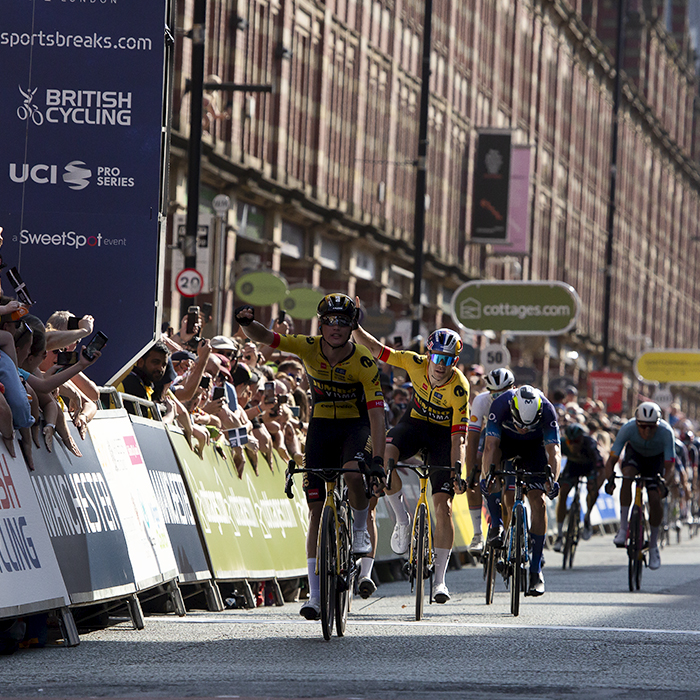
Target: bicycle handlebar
column 426, row 468
column 327, row 475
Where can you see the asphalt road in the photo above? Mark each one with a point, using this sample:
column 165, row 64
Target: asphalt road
column 587, row 637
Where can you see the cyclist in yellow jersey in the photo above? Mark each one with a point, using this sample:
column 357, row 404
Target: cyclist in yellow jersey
column 347, row 420
column 436, row 419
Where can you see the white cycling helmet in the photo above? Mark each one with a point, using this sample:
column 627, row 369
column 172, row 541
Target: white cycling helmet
column 648, row 412
column 444, row 341
column 499, row 379
column 526, row 406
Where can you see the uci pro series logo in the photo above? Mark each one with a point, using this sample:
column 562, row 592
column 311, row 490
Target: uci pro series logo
column 76, row 175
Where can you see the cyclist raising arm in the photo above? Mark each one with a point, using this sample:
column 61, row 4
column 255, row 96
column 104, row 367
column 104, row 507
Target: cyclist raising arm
column 649, row 445
column 436, row 420
column 347, row 414
column 523, row 423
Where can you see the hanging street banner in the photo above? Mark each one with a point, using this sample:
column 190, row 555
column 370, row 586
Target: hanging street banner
column 521, row 308
column 81, row 161
column 607, row 387
column 491, row 187
column 669, row 366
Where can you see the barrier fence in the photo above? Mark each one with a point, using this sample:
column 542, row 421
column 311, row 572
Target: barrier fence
column 141, row 511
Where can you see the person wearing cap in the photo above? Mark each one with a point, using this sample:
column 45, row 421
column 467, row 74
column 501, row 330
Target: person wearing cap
column 225, row 346
column 187, row 387
column 347, row 415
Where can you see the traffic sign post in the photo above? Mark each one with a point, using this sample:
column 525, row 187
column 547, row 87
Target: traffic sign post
column 189, row 282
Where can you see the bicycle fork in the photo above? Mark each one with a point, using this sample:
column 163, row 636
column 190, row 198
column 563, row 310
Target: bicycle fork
column 422, row 500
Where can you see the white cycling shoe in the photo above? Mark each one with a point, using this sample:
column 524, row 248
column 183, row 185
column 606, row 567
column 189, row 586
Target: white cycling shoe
column 311, row 609
column 654, row 558
column 441, row 594
column 476, row 546
column 400, row 537
column 361, row 543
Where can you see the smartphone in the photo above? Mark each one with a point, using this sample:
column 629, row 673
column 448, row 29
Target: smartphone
column 295, row 411
column 66, row 359
column 218, row 393
column 97, row 342
column 398, row 341
column 282, row 398
column 192, row 318
column 269, row 395
column 206, row 311
column 73, row 323
column 282, row 317
column 205, row 382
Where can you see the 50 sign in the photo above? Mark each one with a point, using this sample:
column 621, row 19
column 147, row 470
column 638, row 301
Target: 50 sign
column 189, row 282
column 493, row 356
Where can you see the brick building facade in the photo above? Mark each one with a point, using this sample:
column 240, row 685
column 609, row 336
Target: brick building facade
column 321, row 172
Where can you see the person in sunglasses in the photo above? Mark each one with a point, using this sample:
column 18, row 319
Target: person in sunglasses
column 523, row 423
column 436, row 420
column 346, row 418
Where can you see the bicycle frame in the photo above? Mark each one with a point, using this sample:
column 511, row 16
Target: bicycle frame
column 423, row 476
column 331, row 502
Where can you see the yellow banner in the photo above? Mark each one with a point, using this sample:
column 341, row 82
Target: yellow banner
column 669, row 366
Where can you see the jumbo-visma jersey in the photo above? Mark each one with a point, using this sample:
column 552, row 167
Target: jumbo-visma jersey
column 442, row 405
column 345, row 390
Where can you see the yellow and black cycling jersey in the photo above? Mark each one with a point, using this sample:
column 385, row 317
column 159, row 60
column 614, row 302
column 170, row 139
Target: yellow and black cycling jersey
column 345, row 390
column 445, row 405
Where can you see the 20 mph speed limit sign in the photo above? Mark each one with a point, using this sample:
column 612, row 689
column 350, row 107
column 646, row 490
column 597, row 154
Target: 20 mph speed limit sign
column 493, row 356
column 189, row 282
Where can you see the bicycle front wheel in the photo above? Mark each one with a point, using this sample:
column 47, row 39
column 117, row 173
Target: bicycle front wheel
column 517, row 569
column 327, row 571
column 490, row 574
column 346, row 575
column 419, row 552
column 634, row 548
column 572, row 534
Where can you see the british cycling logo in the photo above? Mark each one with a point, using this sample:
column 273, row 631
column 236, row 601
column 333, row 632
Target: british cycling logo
column 76, row 174
column 470, row 309
column 79, row 107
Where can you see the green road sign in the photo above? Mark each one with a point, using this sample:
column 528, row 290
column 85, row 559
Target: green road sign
column 524, row 308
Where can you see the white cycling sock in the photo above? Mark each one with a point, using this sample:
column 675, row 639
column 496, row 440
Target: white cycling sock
column 476, row 519
column 366, row 564
column 442, row 557
column 624, row 512
column 314, row 586
column 360, row 519
column 654, row 537
column 398, row 505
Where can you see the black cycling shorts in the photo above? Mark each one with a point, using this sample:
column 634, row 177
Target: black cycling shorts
column 331, row 443
column 533, row 458
column 573, row 470
column 411, row 436
column 646, row 466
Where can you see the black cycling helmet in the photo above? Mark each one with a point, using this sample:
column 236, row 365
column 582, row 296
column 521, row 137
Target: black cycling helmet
column 338, row 305
column 575, row 431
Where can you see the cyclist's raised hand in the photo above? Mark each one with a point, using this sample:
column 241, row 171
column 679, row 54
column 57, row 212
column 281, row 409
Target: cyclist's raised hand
column 245, row 315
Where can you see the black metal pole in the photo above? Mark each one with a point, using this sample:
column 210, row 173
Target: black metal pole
column 195, row 144
column 621, row 11
column 421, row 172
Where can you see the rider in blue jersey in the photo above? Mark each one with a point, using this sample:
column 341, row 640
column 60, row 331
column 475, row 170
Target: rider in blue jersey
column 649, row 445
column 523, row 423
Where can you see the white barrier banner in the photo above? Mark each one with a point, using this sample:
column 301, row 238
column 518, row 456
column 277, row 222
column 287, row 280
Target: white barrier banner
column 147, row 539
column 30, row 580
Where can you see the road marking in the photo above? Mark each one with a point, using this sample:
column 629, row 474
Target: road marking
column 424, row 623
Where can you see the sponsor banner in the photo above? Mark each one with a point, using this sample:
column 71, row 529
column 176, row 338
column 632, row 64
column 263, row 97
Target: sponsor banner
column 80, row 160
column 669, row 366
column 608, row 387
column 491, row 187
column 173, row 499
column 521, row 308
column 83, row 522
column 147, row 540
column 518, row 240
column 30, row 579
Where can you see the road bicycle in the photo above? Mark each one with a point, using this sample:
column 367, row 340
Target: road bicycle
column 421, row 559
column 637, row 528
column 516, row 550
column 572, row 525
column 335, row 564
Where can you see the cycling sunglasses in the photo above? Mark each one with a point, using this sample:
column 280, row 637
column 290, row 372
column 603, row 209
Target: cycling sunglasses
column 440, row 359
column 336, row 321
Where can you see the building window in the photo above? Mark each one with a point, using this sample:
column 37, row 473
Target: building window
column 329, row 256
column 292, row 240
column 251, row 221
